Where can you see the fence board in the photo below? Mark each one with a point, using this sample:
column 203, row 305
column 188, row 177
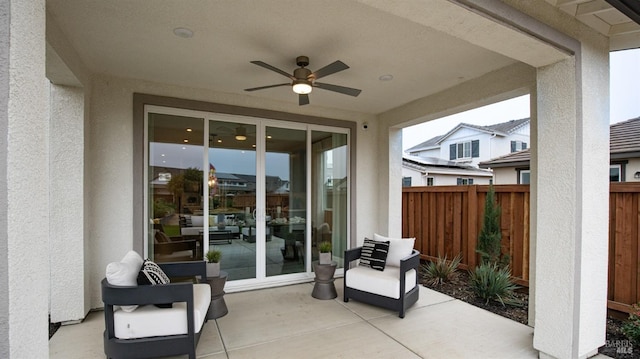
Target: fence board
column 448, row 219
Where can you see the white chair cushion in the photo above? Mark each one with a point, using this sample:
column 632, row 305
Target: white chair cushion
column 385, row 283
column 151, row 321
column 399, row 248
column 125, row 273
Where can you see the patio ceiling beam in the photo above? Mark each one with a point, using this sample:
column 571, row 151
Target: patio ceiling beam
column 481, row 24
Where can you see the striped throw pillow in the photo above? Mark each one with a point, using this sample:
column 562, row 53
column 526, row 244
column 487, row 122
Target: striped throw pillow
column 374, row 254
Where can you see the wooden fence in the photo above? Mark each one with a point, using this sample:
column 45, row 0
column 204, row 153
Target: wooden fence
column 446, row 220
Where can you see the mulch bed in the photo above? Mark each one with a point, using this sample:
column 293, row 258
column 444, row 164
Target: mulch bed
column 617, row 345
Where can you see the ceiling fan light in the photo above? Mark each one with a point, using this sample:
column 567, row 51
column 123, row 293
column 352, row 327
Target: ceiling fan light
column 302, row 87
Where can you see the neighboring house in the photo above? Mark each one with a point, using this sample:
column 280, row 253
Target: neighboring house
column 429, row 171
column 471, row 144
column 624, row 149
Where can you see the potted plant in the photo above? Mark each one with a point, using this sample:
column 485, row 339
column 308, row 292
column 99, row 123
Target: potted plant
column 213, row 262
column 325, row 252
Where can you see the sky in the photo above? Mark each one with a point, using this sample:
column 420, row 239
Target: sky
column 624, row 103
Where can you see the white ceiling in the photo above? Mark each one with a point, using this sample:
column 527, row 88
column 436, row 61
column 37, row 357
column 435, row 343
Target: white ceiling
column 134, row 39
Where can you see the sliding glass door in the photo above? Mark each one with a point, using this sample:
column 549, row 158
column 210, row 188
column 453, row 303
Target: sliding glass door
column 263, row 192
column 286, row 200
column 232, row 196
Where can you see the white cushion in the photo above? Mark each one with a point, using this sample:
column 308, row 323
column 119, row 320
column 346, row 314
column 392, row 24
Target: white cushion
column 151, row 321
column 399, row 248
column 195, row 231
column 197, row 221
column 385, row 283
column 125, row 273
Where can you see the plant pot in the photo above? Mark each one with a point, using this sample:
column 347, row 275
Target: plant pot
column 213, row 269
column 325, row 258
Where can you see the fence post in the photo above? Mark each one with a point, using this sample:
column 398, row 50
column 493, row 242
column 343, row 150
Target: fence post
column 472, row 224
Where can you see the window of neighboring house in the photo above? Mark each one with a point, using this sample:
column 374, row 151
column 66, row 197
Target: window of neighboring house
column 518, row 146
column 464, row 150
column 429, row 181
column 464, row 181
column 615, row 173
column 406, row 181
column 524, row 176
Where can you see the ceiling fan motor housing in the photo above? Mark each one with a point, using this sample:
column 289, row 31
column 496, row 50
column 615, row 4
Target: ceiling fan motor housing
column 301, row 73
column 302, row 61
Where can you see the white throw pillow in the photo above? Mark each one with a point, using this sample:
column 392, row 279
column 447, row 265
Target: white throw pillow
column 398, row 248
column 125, row 273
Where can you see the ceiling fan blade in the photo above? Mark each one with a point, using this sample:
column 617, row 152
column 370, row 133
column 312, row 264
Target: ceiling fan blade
column 332, row 68
column 274, row 69
column 303, row 100
column 341, row 89
column 266, row 87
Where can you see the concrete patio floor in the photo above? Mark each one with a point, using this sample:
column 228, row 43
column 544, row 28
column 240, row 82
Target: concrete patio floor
column 286, row 322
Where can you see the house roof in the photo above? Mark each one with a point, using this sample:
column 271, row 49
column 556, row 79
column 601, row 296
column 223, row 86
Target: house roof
column 624, row 142
column 625, row 137
column 499, row 129
column 428, row 144
column 433, row 165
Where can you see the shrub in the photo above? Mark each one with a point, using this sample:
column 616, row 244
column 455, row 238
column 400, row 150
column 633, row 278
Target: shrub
column 631, row 327
column 490, row 238
column 490, row 281
column 441, row 271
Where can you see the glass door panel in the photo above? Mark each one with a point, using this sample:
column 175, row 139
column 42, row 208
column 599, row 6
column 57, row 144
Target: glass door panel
column 329, row 194
column 286, row 200
column 175, row 186
column 232, row 197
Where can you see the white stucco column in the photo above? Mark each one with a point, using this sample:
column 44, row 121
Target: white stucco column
column 571, row 207
column 69, row 303
column 24, row 182
column 390, row 202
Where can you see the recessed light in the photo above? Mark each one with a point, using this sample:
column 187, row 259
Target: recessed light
column 268, row 137
column 219, row 141
column 189, row 130
column 183, row 32
column 387, row 77
column 162, row 155
column 185, row 141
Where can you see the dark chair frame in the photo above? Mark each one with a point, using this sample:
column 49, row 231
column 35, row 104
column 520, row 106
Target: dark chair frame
column 154, row 347
column 399, row 305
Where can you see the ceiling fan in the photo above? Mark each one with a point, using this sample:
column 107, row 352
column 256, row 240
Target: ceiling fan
column 303, row 80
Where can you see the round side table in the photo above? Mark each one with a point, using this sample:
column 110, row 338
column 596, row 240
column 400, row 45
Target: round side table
column 218, row 307
column 324, row 287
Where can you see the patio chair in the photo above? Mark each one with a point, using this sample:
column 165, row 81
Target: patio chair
column 386, row 275
column 151, row 321
column 175, row 248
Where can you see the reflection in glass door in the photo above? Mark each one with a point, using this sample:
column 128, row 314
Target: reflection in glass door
column 286, row 200
column 175, row 157
column 330, row 192
column 232, row 197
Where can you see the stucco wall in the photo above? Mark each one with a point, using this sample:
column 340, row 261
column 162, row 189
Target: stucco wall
column 506, row 175
column 25, row 186
column 631, row 168
column 67, row 204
